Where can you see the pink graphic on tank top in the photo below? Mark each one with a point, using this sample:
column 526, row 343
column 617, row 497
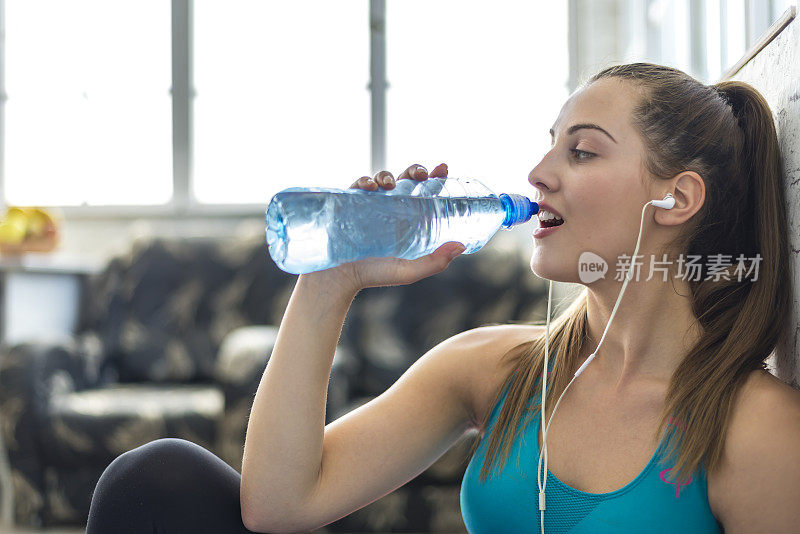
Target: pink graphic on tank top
column 678, row 483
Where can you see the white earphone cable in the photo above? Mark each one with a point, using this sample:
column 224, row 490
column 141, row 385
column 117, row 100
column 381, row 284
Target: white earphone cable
column 628, row 276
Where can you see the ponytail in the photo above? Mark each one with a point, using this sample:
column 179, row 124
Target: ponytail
column 762, row 165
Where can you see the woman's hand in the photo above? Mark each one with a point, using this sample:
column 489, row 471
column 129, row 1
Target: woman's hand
column 377, row 272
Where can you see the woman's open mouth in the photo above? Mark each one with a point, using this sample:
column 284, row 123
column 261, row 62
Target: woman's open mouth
column 548, row 219
column 551, row 223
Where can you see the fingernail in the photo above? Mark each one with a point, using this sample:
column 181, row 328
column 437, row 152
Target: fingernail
column 420, row 171
column 458, row 250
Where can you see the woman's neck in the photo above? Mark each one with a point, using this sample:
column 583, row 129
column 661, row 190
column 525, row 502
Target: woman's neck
column 653, row 329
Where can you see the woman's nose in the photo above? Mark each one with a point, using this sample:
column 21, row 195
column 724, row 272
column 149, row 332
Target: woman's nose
column 542, row 179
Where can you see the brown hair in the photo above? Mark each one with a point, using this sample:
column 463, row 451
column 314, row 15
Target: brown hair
column 725, row 133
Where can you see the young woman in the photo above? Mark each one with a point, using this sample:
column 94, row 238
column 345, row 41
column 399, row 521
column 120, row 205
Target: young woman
column 675, row 426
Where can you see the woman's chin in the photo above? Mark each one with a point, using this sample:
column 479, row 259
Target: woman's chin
column 557, row 269
column 551, row 272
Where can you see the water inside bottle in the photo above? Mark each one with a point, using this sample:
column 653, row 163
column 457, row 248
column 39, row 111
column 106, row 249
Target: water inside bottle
column 317, row 229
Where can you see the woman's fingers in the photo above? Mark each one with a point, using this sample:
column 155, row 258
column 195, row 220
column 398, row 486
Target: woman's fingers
column 434, row 263
column 384, row 179
column 416, row 172
column 420, row 173
column 440, row 171
column 362, row 183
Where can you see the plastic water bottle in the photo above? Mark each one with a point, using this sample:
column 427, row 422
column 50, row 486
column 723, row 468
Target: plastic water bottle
column 312, row 229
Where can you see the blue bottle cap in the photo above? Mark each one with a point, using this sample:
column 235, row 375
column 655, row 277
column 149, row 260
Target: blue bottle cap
column 519, row 209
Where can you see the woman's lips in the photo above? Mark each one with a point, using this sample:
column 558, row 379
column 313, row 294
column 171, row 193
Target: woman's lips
column 541, row 231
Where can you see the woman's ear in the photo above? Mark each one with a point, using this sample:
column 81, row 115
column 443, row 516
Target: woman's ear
column 689, row 191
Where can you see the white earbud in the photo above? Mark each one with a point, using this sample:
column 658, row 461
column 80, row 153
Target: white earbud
column 668, row 203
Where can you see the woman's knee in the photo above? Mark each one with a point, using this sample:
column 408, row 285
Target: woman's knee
column 166, row 449
column 163, row 464
column 165, row 452
column 171, row 482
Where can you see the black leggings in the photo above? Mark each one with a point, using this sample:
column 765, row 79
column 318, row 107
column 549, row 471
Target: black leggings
column 167, row 486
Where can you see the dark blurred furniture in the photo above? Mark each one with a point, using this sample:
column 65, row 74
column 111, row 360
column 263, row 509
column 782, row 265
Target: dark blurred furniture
column 39, row 296
column 172, row 341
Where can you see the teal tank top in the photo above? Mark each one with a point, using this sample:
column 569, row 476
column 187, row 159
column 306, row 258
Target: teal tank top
column 508, row 502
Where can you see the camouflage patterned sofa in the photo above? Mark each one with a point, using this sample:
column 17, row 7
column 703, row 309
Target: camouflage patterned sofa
column 173, row 339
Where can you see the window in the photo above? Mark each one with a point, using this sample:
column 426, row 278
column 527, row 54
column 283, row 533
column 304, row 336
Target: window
column 279, row 92
column 701, row 37
column 282, row 97
column 475, row 85
column 87, row 118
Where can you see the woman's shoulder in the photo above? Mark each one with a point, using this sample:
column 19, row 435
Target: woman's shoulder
column 763, row 401
column 761, row 405
column 762, row 448
column 488, row 370
column 765, row 397
column 766, row 405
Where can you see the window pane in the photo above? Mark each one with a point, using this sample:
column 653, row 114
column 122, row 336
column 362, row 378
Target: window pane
column 779, row 6
column 713, row 48
column 672, row 20
column 476, row 86
column 282, row 97
column 88, row 117
column 737, row 39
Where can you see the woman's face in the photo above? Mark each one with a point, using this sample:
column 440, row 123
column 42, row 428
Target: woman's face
column 598, row 190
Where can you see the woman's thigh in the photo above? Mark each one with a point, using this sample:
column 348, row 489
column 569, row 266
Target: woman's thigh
column 167, row 486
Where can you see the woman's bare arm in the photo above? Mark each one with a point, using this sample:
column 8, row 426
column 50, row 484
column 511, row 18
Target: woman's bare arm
column 390, row 440
column 283, row 445
column 299, row 474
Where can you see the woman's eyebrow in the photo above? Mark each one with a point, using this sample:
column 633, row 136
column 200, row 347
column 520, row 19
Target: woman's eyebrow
column 575, row 127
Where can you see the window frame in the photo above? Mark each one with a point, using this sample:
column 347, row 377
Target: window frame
column 183, row 204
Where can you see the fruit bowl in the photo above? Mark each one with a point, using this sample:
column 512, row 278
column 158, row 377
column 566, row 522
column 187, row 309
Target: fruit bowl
column 27, row 229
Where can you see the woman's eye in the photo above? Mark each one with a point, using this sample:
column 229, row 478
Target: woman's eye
column 578, row 152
